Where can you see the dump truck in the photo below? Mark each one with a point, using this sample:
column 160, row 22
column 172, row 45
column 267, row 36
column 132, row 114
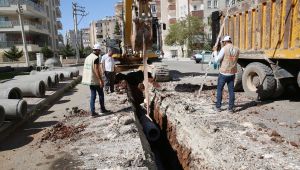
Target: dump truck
column 268, row 35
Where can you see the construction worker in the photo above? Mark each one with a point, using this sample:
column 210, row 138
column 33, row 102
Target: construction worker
column 108, row 66
column 227, row 58
column 92, row 76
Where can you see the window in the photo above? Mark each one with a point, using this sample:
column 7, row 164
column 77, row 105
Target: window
column 216, row 4
column 209, row 4
column 195, row 7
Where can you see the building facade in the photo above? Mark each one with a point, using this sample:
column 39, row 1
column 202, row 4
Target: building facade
column 178, row 10
column 41, row 25
column 102, row 30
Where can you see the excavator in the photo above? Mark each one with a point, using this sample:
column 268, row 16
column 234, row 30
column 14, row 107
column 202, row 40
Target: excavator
column 137, row 40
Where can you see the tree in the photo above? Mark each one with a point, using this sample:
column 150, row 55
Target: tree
column 117, row 29
column 186, row 32
column 47, row 52
column 85, row 51
column 67, row 51
column 14, row 53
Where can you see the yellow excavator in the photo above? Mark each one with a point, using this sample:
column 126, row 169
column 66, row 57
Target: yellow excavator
column 137, row 32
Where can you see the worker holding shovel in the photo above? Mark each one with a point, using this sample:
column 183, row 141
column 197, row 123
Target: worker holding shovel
column 227, row 57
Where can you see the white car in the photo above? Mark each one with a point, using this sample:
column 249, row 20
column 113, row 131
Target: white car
column 202, row 57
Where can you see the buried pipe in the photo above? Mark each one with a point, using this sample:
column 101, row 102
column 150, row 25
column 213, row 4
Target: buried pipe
column 54, row 76
column 29, row 88
column 14, row 108
column 150, row 129
column 45, row 78
column 10, row 93
column 2, row 115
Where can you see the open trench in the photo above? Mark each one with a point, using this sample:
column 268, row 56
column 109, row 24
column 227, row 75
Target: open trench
column 168, row 152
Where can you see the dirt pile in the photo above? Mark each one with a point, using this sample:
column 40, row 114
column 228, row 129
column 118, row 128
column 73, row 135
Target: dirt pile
column 62, row 131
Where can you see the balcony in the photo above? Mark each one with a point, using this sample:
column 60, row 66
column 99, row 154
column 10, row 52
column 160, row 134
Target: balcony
column 31, row 46
column 199, row 13
column 59, row 25
column 29, row 7
column 14, row 26
column 58, row 12
column 57, row 2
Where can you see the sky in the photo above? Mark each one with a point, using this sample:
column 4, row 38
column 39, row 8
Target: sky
column 97, row 9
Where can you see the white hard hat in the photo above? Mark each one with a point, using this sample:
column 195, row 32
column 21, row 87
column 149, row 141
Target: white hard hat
column 226, row 38
column 96, row 47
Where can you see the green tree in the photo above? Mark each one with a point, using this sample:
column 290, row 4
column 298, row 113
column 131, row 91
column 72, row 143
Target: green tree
column 14, row 53
column 67, row 51
column 187, row 32
column 47, row 52
column 117, row 30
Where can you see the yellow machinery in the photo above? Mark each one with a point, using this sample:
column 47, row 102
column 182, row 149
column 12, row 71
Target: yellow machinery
column 131, row 55
column 268, row 35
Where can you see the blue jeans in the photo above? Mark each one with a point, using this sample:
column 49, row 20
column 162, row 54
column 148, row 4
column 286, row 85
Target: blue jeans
column 222, row 80
column 94, row 90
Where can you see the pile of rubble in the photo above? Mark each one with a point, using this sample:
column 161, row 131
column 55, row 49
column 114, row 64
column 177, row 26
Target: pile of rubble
column 62, row 131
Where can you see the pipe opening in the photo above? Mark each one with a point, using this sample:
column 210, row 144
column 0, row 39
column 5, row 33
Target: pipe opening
column 42, row 89
column 23, row 109
column 15, row 94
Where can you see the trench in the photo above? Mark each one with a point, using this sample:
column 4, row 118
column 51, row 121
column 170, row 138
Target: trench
column 168, row 152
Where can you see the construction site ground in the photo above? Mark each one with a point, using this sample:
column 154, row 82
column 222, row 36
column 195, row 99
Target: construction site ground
column 259, row 135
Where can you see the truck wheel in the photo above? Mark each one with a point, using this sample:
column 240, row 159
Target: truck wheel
column 238, row 84
column 258, row 81
column 279, row 89
column 298, row 79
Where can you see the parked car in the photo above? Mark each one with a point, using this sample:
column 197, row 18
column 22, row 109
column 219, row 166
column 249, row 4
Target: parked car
column 202, row 57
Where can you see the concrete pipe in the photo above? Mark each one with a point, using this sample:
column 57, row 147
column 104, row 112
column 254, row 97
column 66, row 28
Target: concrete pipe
column 67, row 74
column 10, row 93
column 14, row 108
column 54, row 76
column 2, row 115
column 29, row 87
column 74, row 70
column 46, row 78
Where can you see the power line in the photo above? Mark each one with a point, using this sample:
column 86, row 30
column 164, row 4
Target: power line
column 77, row 11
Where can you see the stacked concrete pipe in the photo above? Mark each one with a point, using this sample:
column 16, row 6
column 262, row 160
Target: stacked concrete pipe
column 2, row 115
column 29, row 87
column 10, row 93
column 46, row 78
column 67, row 74
column 74, row 70
column 54, row 76
column 14, row 108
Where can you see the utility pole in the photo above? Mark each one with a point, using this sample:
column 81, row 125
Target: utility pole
column 77, row 10
column 20, row 13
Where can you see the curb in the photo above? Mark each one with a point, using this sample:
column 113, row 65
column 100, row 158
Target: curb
column 9, row 128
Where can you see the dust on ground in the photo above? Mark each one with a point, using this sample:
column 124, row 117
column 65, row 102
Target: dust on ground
column 259, row 135
column 67, row 137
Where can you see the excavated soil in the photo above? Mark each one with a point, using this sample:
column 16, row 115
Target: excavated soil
column 257, row 136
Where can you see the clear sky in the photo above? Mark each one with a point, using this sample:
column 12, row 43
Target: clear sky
column 97, row 9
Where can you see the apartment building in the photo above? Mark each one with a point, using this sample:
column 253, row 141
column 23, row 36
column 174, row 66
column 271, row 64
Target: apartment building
column 177, row 10
column 41, row 25
column 85, row 37
column 71, row 38
column 102, row 30
column 209, row 7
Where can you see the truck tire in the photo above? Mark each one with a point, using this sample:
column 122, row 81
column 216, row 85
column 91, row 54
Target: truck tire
column 279, row 89
column 238, row 83
column 258, row 81
column 298, row 79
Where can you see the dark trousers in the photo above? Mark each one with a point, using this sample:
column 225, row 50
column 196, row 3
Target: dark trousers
column 222, row 80
column 96, row 89
column 109, row 81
